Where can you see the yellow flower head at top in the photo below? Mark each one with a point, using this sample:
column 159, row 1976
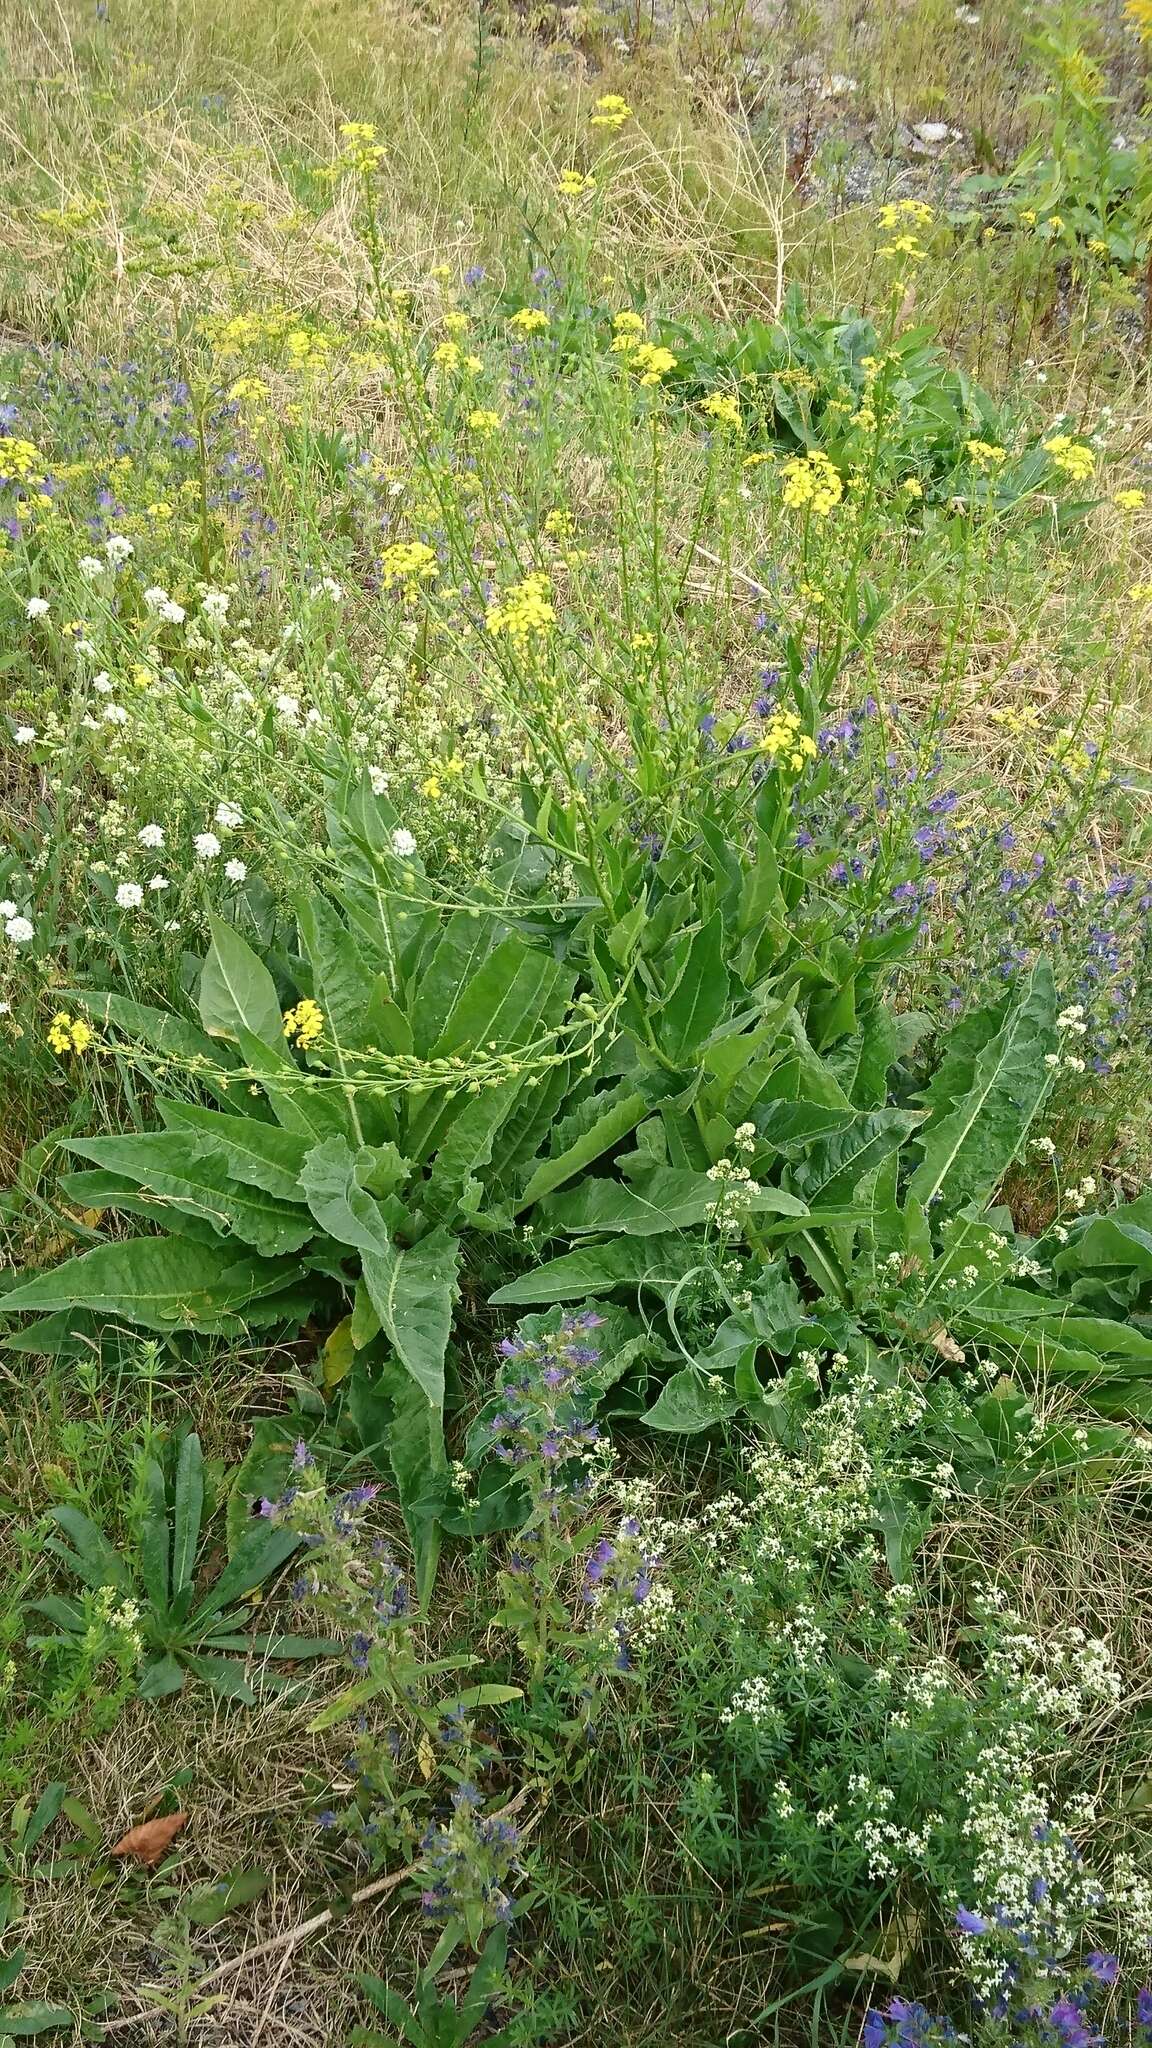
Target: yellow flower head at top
column 409, row 562
column 1138, row 15
column 785, row 742
column 611, row 111
column 986, row 454
column 1073, row 458
column 812, row 482
column 483, row 421
column 724, row 408
column 650, row 361
column 524, row 612
column 1128, row 501
column 529, row 320
column 447, row 354
column 361, row 150
column 575, row 184
column 902, row 213
column 304, row 1023
column 69, row 1034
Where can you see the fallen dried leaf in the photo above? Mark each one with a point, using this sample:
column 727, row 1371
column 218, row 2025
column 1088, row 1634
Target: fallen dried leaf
column 946, row 1345
column 148, row 1842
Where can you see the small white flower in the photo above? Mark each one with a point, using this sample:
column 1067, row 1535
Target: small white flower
column 7, row 909
column 19, row 930
column 5, row 1009
column 90, row 567
column 36, row 607
column 165, row 607
column 288, row 707
column 86, row 650
column 24, row 735
column 235, row 870
column 129, row 895
column 214, row 605
column 115, row 714
column 151, row 835
column 230, row 816
column 118, row 549
column 403, row 842
column 207, row 846
column 332, row 589
column 159, row 882
column 379, row 781
column 102, row 682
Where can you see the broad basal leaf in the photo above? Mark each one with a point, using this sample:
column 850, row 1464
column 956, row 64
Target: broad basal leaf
column 236, row 989
column 968, row 1151
column 160, row 1283
column 185, row 1170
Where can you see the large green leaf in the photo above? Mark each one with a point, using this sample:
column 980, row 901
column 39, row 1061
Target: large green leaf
column 969, row 1149
column 182, row 1169
column 332, row 1183
column 700, row 998
column 668, row 1198
column 597, row 1269
column 160, row 1283
column 601, row 1123
column 259, row 1154
column 504, row 1001
column 412, row 1293
column 834, row 1166
column 236, row 990
column 463, row 945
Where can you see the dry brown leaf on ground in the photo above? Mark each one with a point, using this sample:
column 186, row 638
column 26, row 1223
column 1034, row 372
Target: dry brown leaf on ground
column 148, row 1842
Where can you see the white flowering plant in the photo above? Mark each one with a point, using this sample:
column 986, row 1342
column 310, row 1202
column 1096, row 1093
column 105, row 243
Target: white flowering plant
column 838, row 1744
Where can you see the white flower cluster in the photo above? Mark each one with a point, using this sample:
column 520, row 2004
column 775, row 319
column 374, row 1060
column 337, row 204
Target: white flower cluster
column 738, row 1189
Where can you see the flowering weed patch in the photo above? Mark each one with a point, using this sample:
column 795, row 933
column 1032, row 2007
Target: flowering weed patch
column 574, row 1016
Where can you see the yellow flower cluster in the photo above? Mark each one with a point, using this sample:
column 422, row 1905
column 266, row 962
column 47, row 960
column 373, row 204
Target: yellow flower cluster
column 812, row 483
column 650, row 361
column 361, row 152
column 986, row 454
column 574, row 184
column 529, row 320
column 525, row 611
column 20, row 459
column 904, row 245
column 1128, row 501
column 1016, row 719
column 304, row 346
column 1073, row 458
column 69, row 1034
column 786, row 743
column 724, row 408
column 409, row 562
column 304, row 1023
column 903, row 213
column 248, row 391
column 1138, row 15
column 483, row 421
column 611, row 111
column 70, row 218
